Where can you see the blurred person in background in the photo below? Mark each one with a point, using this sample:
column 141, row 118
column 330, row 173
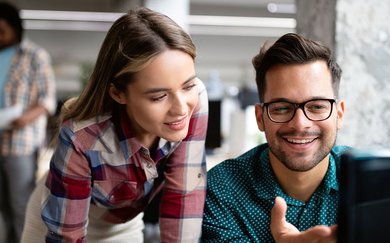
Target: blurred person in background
column 27, row 88
column 138, row 128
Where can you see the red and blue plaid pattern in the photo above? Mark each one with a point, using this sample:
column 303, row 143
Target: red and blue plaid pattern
column 100, row 162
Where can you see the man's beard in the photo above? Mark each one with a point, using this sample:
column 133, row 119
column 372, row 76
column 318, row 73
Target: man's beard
column 292, row 163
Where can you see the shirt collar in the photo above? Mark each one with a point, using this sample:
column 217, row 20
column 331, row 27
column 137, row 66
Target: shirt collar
column 330, row 181
column 267, row 186
column 130, row 145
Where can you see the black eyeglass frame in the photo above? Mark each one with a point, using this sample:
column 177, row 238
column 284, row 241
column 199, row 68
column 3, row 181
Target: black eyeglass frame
column 296, row 106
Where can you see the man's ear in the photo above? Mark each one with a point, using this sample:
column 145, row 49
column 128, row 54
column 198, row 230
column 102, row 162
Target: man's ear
column 340, row 113
column 117, row 95
column 259, row 117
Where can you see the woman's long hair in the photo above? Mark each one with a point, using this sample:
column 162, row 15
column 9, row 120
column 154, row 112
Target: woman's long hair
column 132, row 41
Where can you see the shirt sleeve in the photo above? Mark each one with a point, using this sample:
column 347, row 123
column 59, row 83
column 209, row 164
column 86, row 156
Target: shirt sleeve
column 44, row 77
column 65, row 210
column 220, row 221
column 182, row 202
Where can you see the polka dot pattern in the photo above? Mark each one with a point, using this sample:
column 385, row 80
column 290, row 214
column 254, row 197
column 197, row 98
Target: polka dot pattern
column 241, row 193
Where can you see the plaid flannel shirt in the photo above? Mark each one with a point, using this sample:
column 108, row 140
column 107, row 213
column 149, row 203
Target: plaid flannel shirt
column 99, row 163
column 30, row 82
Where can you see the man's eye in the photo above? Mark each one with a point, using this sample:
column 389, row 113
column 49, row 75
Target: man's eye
column 281, row 109
column 316, row 107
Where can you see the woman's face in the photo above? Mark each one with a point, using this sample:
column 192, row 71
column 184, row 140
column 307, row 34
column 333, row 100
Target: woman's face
column 162, row 98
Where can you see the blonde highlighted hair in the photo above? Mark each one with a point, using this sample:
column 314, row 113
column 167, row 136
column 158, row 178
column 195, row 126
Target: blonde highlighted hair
column 132, row 41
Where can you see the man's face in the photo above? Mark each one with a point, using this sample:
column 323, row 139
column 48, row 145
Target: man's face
column 300, row 144
column 7, row 35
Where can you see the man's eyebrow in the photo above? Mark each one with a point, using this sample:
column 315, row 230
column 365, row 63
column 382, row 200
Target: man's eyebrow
column 156, row 90
column 278, row 100
column 292, row 101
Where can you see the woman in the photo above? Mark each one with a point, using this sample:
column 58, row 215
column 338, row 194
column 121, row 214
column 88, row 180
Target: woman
column 137, row 128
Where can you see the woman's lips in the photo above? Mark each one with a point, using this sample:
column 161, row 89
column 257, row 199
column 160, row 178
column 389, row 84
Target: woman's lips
column 178, row 124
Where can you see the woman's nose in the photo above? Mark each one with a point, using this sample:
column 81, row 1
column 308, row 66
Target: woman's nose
column 179, row 105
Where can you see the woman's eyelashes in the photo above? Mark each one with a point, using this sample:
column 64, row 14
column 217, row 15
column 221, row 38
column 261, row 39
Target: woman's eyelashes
column 189, row 87
column 160, row 97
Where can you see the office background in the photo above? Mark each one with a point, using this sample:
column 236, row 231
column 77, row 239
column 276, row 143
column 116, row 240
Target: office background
column 228, row 34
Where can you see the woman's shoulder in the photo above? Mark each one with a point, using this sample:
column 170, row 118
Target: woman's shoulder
column 93, row 123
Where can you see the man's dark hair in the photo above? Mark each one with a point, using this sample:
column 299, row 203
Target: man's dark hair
column 293, row 49
column 10, row 14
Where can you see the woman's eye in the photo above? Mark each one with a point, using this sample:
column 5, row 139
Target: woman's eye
column 189, row 87
column 158, row 98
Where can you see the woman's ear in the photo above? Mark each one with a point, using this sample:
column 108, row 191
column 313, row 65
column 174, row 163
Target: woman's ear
column 117, row 95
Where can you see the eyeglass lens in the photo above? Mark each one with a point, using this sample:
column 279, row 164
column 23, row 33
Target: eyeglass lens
column 315, row 110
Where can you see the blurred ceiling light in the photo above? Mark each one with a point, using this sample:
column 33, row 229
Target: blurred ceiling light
column 285, row 8
column 238, row 31
column 68, row 20
column 66, row 25
column 198, row 24
column 70, row 15
column 242, row 21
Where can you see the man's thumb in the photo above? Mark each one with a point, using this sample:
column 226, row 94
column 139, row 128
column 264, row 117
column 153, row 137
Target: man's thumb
column 278, row 213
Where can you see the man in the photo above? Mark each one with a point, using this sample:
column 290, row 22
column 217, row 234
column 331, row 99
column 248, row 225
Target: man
column 287, row 189
column 26, row 84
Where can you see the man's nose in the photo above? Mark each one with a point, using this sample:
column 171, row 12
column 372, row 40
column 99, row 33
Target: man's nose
column 300, row 119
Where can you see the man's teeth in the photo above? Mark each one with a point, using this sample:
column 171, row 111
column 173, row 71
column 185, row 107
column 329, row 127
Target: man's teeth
column 291, row 140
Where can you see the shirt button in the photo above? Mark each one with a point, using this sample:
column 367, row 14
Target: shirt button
column 199, row 175
column 144, row 151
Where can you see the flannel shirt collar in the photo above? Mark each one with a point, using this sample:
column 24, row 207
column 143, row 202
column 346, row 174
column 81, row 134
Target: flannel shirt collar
column 130, row 145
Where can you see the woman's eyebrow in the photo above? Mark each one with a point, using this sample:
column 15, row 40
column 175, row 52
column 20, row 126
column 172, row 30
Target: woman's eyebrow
column 156, row 90
column 189, row 79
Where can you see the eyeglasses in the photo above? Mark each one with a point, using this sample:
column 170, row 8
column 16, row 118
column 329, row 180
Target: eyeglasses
column 314, row 110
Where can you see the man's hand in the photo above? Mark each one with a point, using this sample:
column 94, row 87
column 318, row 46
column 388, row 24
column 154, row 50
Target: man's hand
column 282, row 231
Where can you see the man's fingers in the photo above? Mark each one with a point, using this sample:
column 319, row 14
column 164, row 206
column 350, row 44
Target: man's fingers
column 282, row 231
column 333, row 228
column 278, row 214
column 321, row 233
column 279, row 210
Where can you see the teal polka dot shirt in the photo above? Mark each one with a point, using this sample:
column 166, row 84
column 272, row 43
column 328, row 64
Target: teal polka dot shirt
column 241, row 194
